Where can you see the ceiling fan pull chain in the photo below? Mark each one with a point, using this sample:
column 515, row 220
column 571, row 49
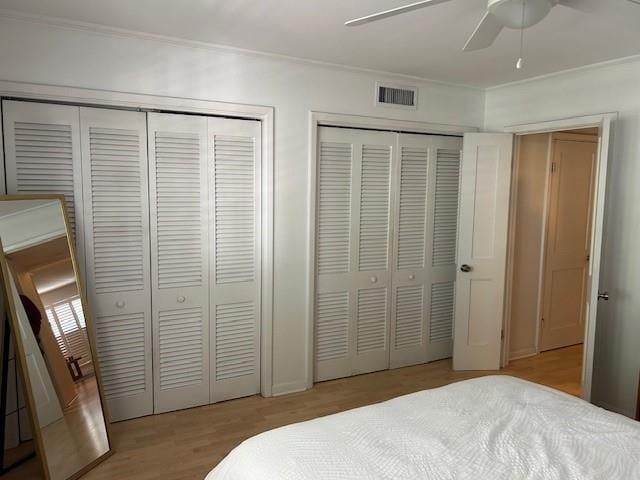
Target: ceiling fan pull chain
column 519, row 62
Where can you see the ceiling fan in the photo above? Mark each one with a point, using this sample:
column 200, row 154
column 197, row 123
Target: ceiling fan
column 516, row 14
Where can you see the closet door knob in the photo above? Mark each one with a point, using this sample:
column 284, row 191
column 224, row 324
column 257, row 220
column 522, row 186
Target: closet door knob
column 465, row 268
column 181, row 299
column 120, row 304
column 412, row 277
column 374, row 279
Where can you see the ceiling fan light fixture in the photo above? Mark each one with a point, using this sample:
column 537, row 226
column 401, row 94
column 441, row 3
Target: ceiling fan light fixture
column 509, row 12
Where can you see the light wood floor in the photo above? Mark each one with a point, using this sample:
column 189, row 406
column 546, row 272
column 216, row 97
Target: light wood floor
column 186, row 445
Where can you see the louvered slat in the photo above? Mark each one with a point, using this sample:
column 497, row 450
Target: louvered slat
column 372, row 320
column 116, row 198
column 334, row 207
column 178, row 200
column 235, row 332
column 442, row 305
column 235, row 209
column 412, row 209
column 409, row 315
column 121, row 352
column 44, row 162
column 332, row 326
column 374, row 207
column 445, row 221
column 181, row 348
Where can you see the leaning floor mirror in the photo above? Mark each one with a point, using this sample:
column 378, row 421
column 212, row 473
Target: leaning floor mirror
column 58, row 381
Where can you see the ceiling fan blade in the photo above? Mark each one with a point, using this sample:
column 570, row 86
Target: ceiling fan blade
column 392, row 12
column 485, row 34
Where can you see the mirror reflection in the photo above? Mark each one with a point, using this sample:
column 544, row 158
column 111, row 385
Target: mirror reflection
column 52, row 328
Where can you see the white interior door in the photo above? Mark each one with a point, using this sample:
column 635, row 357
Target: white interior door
column 353, row 251
column 116, row 220
column 568, row 243
column 235, row 250
column 482, row 243
column 179, row 193
column 425, row 221
column 42, row 155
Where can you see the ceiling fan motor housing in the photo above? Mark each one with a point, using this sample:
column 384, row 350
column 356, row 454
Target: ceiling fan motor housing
column 510, row 12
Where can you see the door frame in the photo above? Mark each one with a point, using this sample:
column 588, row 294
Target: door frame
column 143, row 102
column 324, row 119
column 604, row 122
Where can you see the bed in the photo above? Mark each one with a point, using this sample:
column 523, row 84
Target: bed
column 494, row 427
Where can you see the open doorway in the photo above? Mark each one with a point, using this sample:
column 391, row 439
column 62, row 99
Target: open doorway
column 553, row 190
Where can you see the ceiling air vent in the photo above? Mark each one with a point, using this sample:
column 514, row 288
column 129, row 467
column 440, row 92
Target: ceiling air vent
column 396, row 96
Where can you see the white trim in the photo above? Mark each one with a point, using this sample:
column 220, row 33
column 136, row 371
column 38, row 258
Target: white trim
column 317, row 119
column 106, row 30
column 265, row 114
column 567, row 71
column 289, row 387
column 604, row 122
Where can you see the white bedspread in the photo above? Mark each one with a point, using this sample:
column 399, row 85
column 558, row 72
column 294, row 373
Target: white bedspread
column 490, row 428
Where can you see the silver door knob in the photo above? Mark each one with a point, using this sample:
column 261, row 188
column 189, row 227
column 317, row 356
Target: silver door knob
column 374, row 279
column 412, row 277
column 120, row 304
column 465, row 268
column 603, row 296
column 181, row 299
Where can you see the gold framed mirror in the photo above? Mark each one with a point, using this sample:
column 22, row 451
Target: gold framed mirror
column 53, row 335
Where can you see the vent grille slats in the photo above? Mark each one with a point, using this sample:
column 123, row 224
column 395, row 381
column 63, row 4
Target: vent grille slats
column 374, row 208
column 372, row 320
column 178, row 200
column 332, row 326
column 396, row 96
column 442, row 305
column 120, row 346
column 409, row 315
column 235, row 206
column 334, row 208
column 44, row 162
column 413, row 208
column 445, row 221
column 181, row 348
column 236, row 355
column 116, row 204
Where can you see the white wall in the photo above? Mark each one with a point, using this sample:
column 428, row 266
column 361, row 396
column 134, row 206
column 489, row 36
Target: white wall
column 613, row 88
column 54, row 55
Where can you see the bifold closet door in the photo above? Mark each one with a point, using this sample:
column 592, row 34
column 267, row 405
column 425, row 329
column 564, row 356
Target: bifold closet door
column 235, row 256
column 179, row 193
column 42, row 155
column 353, row 285
column 426, row 212
column 116, row 219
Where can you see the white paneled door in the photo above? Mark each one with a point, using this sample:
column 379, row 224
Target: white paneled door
column 426, row 213
column 235, row 268
column 482, row 245
column 116, row 226
column 353, row 288
column 179, row 193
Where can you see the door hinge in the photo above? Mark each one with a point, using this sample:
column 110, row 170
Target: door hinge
column 542, row 321
column 502, row 334
column 554, row 167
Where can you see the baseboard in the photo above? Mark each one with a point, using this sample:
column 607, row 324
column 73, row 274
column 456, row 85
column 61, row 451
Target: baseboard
column 524, row 353
column 289, row 387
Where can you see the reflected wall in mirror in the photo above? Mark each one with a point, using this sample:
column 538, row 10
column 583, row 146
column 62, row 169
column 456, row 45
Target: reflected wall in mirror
column 53, row 336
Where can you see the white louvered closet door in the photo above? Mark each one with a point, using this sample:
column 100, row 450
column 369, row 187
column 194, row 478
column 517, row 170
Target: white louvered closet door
column 42, row 155
column 116, row 219
column 353, row 251
column 235, row 251
column 426, row 191
column 180, row 259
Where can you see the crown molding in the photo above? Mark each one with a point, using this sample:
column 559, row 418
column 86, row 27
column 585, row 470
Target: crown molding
column 109, row 31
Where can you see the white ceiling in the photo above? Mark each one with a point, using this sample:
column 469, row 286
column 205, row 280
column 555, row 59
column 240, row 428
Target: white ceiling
column 425, row 43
